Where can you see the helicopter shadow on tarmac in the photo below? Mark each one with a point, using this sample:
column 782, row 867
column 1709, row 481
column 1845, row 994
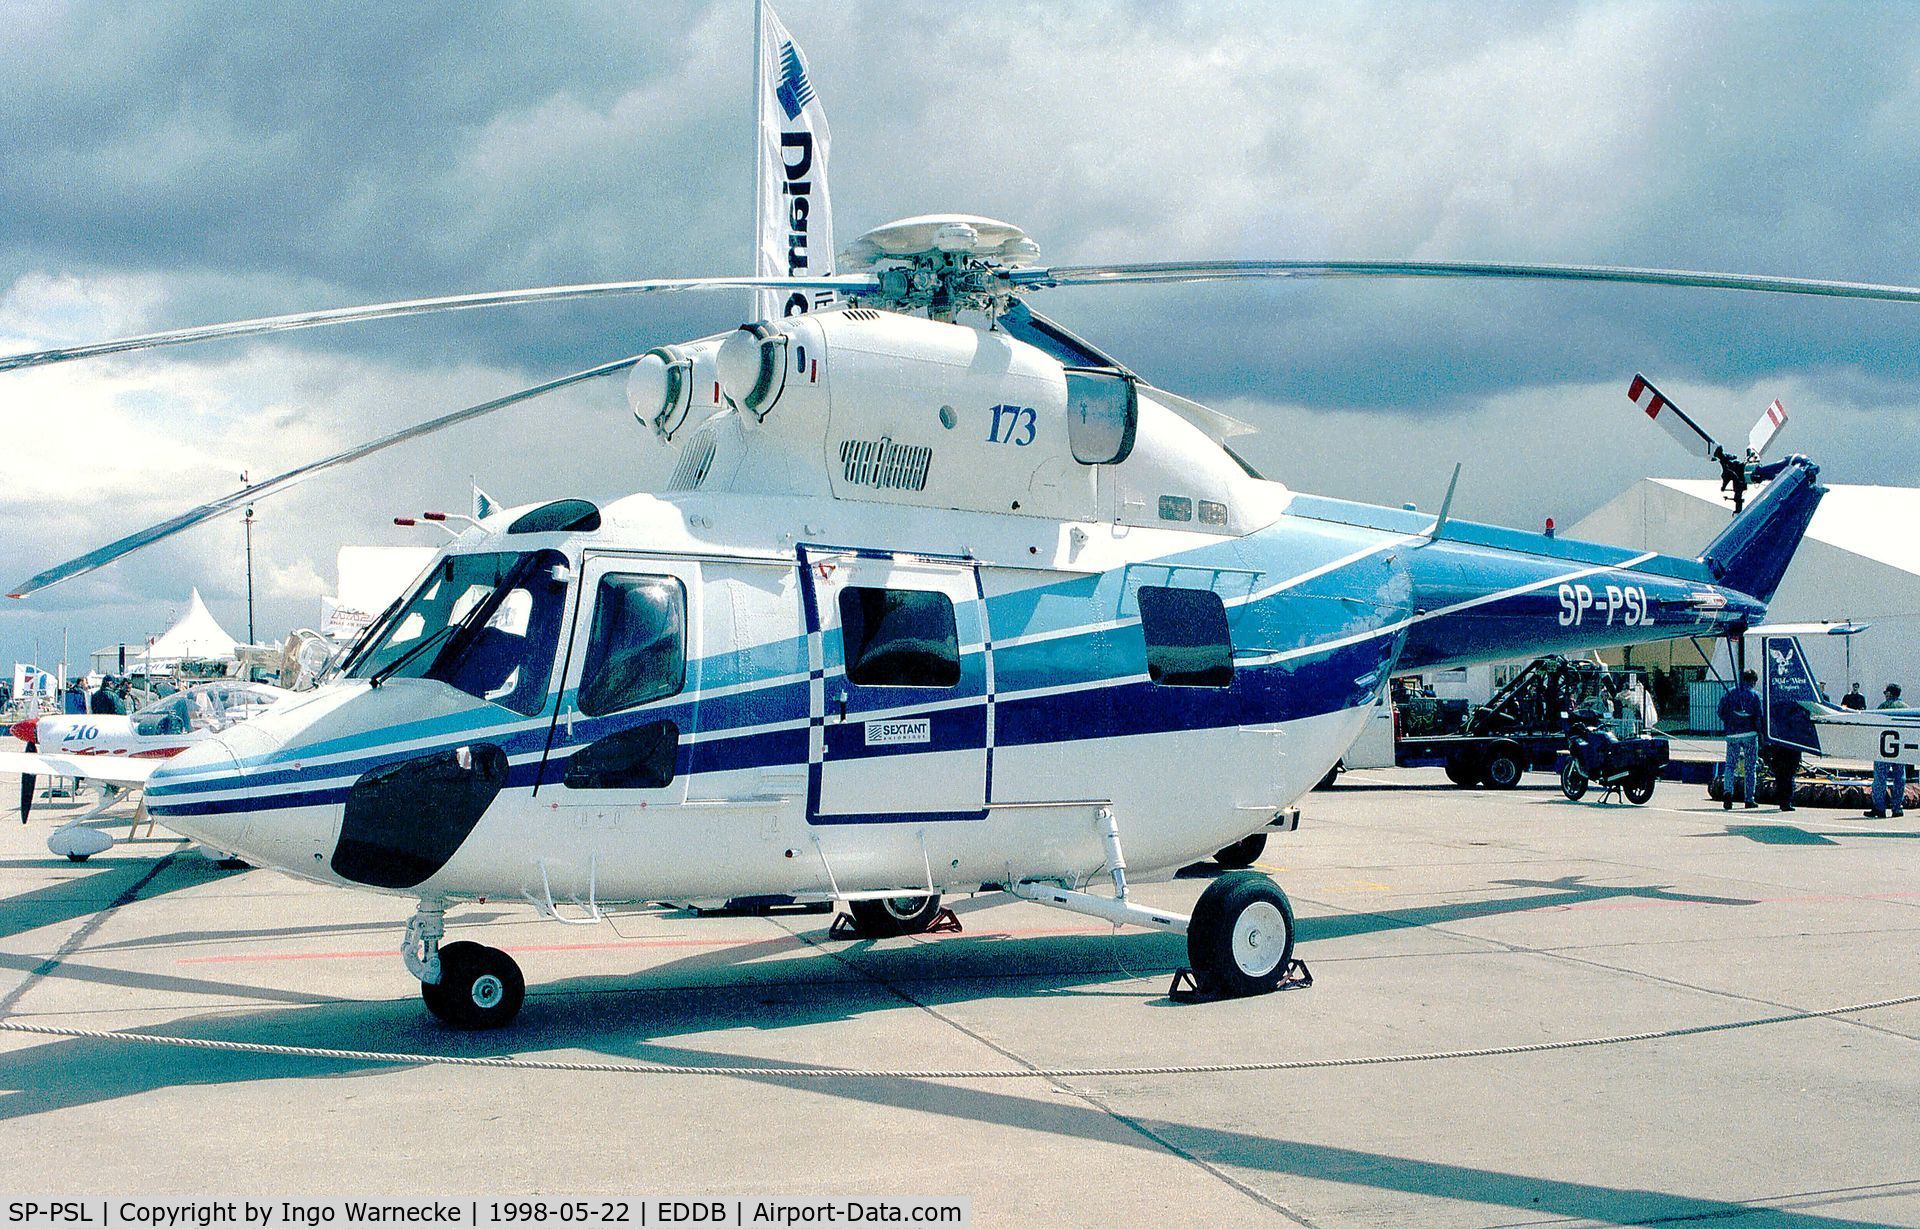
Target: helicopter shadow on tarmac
column 682, row 997
column 1793, row 834
column 768, row 984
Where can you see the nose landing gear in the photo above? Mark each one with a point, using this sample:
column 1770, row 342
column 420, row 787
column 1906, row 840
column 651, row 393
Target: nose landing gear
column 480, row 987
column 467, row 985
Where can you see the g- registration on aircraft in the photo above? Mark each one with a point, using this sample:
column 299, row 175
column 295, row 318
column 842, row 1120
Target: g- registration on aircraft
column 1799, row 717
column 938, row 599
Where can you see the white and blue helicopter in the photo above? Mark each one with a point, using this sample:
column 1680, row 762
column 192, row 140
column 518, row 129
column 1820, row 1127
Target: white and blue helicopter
column 938, row 599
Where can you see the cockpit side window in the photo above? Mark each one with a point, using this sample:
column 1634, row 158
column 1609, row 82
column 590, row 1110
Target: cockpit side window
column 637, row 650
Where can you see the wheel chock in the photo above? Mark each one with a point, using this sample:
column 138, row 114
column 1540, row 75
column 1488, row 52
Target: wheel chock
column 1185, row 988
column 844, row 929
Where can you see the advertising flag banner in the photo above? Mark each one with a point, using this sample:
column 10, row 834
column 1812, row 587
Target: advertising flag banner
column 794, row 232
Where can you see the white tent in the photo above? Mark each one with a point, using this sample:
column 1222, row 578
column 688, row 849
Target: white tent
column 370, row 578
column 195, row 634
column 1860, row 562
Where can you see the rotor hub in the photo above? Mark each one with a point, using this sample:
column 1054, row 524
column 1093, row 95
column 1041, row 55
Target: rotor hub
column 942, row 264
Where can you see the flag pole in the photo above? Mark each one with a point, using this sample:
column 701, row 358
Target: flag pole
column 757, row 98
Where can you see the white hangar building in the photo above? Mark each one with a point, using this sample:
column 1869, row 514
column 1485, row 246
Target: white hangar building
column 1860, row 562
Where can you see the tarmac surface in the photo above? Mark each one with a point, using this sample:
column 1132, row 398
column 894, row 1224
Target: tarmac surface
column 1434, row 919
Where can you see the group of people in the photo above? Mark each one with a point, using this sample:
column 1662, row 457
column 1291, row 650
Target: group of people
column 113, row 695
column 1744, row 718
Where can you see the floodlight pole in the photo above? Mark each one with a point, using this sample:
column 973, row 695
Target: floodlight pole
column 249, row 524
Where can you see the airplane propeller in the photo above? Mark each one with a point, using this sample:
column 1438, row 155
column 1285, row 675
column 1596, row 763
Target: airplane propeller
column 943, row 280
column 27, row 782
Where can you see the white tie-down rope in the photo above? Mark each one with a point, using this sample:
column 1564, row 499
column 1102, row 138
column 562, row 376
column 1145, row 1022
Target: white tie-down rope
column 889, row 1073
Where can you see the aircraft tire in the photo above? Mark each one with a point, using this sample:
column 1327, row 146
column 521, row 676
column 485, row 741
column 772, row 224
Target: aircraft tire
column 1639, row 790
column 891, row 916
column 1504, row 768
column 1573, row 782
column 1240, row 938
column 480, row 987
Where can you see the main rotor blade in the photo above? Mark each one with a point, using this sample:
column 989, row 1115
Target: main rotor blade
column 246, row 495
column 1236, row 270
column 852, row 283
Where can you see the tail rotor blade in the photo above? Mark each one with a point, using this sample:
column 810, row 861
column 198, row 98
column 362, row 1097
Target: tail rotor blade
column 246, row 495
column 1766, row 430
column 1670, row 416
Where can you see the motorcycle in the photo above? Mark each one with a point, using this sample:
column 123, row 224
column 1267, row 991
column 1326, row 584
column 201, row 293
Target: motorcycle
column 1598, row 756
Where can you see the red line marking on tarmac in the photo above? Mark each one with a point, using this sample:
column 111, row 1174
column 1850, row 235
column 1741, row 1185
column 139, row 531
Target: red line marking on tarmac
column 612, row 945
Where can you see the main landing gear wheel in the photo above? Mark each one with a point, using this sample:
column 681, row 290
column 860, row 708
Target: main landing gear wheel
column 1639, row 790
column 1240, row 939
column 894, row 915
column 1243, row 852
column 1503, row 769
column 480, row 987
column 1573, row 782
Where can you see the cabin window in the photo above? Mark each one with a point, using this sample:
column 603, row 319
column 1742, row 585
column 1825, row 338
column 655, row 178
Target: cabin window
column 899, row 638
column 1102, row 409
column 637, row 651
column 1186, row 634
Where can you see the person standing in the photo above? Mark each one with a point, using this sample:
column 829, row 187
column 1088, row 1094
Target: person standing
column 1740, row 714
column 1783, row 762
column 1889, row 778
column 1854, row 700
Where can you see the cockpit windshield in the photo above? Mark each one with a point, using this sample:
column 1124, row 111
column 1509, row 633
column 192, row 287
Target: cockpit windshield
column 487, row 624
column 213, row 706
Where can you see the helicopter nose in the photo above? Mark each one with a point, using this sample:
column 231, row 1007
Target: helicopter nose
column 191, row 794
column 222, row 793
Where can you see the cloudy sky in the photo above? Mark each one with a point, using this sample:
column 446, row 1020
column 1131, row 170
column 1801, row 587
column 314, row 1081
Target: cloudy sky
column 167, row 164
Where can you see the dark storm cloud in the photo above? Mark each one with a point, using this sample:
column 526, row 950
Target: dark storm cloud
column 201, row 161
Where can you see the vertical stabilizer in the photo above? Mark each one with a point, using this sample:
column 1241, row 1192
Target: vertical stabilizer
column 1752, row 554
column 1790, row 693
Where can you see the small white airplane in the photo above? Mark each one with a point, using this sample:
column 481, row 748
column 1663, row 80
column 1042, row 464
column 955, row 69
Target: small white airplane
column 1798, row 717
column 120, row 752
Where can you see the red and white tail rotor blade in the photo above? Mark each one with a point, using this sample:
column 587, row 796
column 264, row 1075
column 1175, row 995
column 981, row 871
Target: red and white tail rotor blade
column 1656, row 406
column 1766, row 430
